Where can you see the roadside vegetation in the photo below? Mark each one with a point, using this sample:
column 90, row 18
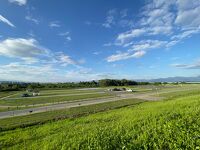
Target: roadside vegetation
column 170, row 124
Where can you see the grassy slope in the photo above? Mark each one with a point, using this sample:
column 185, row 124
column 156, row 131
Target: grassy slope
column 169, row 124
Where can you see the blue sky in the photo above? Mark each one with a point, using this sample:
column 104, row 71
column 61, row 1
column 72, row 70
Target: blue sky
column 75, row 40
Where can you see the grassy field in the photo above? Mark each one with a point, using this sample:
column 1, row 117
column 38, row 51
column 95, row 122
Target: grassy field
column 58, row 92
column 7, row 93
column 43, row 100
column 171, row 124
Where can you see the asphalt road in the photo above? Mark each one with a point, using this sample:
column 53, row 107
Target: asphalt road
column 71, row 104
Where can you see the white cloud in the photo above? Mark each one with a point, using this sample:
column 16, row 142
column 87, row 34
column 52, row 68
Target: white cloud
column 30, row 51
column 25, row 49
column 173, row 20
column 18, row 2
column 96, row 53
column 186, row 34
column 86, row 74
column 123, row 37
column 30, row 73
column 48, row 73
column 172, row 43
column 137, row 50
column 158, row 18
column 175, row 58
column 124, row 13
column 195, row 65
column 66, row 35
column 138, row 54
column 188, row 12
column 126, row 23
column 88, row 23
column 124, row 56
column 31, row 33
column 32, row 19
column 65, row 60
column 38, row 63
column 4, row 20
column 54, row 24
column 148, row 44
column 166, row 30
column 189, row 18
column 110, row 19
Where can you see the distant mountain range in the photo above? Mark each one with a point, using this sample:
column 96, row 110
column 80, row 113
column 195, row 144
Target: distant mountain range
column 168, row 79
column 176, row 79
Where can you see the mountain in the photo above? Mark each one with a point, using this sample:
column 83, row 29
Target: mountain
column 177, row 79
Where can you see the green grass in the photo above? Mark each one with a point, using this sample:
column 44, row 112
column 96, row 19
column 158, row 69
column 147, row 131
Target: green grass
column 11, row 108
column 180, row 93
column 7, row 93
column 3, row 109
column 43, row 100
column 57, row 92
column 40, row 118
column 172, row 124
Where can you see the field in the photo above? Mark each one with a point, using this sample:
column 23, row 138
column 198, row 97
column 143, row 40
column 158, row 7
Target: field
column 43, row 100
column 4, row 94
column 170, row 123
column 13, row 100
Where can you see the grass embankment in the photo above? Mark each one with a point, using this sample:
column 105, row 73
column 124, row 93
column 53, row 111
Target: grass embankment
column 172, row 124
column 44, row 100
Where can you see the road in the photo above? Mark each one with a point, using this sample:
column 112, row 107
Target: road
column 71, row 104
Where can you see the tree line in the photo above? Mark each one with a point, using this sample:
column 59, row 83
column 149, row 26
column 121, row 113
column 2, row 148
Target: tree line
column 17, row 86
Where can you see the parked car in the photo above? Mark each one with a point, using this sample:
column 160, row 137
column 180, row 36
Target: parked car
column 25, row 95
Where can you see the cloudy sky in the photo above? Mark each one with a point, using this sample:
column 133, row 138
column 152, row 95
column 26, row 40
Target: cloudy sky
column 73, row 40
